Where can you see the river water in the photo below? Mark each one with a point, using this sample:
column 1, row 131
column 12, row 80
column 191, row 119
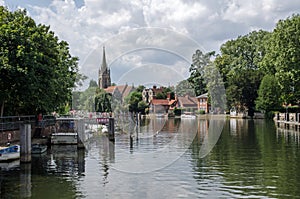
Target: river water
column 188, row 158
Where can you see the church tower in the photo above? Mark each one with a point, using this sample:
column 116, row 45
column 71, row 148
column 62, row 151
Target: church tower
column 104, row 73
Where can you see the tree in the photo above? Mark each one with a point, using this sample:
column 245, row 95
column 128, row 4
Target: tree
column 102, row 101
column 184, row 88
column 37, row 71
column 268, row 95
column 240, row 67
column 196, row 78
column 215, row 87
column 283, row 58
column 132, row 100
column 93, row 83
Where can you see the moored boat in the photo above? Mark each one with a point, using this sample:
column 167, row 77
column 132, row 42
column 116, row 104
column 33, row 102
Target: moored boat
column 38, row 148
column 188, row 115
column 9, row 153
column 66, row 131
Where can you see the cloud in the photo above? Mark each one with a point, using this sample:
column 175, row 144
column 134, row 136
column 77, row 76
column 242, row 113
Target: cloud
column 163, row 28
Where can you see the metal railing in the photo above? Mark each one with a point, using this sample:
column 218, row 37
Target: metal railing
column 10, row 123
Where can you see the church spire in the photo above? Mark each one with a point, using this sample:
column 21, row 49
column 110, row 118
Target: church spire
column 104, row 73
column 104, row 65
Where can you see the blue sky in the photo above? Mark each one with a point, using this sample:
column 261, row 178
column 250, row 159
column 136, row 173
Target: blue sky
column 150, row 39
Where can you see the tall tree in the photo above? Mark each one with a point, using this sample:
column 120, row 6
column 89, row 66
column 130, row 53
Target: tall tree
column 196, row 78
column 37, row 71
column 268, row 95
column 184, row 88
column 239, row 65
column 283, row 56
column 102, row 101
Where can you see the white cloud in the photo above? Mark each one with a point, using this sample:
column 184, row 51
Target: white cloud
column 124, row 26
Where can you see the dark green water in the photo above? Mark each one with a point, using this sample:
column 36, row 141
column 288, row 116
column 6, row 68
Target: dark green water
column 249, row 159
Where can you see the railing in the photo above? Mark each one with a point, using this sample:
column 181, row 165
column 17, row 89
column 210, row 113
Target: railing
column 11, row 123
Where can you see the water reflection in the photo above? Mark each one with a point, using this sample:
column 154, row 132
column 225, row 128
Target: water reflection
column 251, row 158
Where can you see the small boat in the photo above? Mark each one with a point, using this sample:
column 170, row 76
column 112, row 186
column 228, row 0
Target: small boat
column 66, row 131
column 9, row 153
column 188, row 115
column 38, row 148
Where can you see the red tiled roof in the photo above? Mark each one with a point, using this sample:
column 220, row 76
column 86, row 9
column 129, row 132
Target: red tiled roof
column 110, row 89
column 163, row 102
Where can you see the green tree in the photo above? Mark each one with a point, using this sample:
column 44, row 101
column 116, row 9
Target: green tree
column 93, row 83
column 161, row 96
column 240, row 67
column 196, row 78
column 184, row 88
column 37, row 71
column 135, row 102
column 215, row 87
column 142, row 106
column 268, row 95
column 283, row 58
column 102, row 101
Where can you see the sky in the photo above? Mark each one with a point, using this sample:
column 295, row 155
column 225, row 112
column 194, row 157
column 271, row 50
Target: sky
column 150, row 41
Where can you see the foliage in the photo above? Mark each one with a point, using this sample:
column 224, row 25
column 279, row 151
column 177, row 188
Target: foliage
column 133, row 100
column 84, row 100
column 160, row 96
column 239, row 65
column 93, row 83
column 196, row 78
column 140, row 88
column 36, row 68
column 283, row 58
column 102, row 101
column 184, row 88
column 142, row 106
column 215, row 87
column 177, row 111
column 268, row 95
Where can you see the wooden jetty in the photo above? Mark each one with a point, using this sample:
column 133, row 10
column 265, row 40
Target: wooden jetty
column 288, row 121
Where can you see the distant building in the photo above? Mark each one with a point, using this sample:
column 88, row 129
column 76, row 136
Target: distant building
column 119, row 92
column 203, row 102
column 188, row 103
column 149, row 94
column 162, row 105
column 104, row 80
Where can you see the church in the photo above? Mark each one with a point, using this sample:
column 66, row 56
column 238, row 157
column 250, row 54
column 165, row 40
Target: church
column 104, row 81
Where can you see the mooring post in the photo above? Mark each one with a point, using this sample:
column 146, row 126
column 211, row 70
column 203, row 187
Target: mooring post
column 111, row 132
column 80, row 134
column 25, row 142
column 138, row 123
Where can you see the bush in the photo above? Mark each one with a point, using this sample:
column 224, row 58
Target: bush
column 177, row 111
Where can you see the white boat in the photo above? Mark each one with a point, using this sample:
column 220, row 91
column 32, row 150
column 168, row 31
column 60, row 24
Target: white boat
column 38, row 148
column 66, row 131
column 188, row 115
column 9, row 153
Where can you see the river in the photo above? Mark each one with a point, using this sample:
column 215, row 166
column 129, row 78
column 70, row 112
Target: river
column 188, row 158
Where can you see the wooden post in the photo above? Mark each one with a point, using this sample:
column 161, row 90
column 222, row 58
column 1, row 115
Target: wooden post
column 25, row 142
column 138, row 125
column 80, row 134
column 111, row 131
column 130, row 141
